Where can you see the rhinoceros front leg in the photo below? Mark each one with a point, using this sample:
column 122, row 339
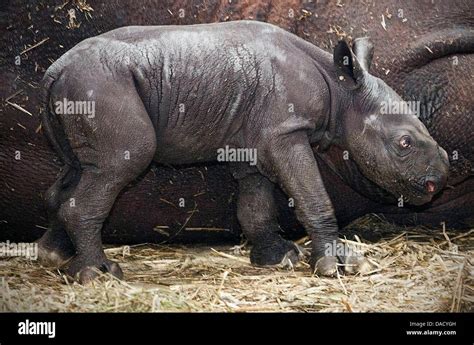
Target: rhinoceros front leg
column 257, row 214
column 293, row 164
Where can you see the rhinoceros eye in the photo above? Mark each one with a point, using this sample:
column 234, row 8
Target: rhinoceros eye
column 405, row 142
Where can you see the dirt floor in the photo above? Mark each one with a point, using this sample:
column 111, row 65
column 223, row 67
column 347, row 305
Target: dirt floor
column 414, row 270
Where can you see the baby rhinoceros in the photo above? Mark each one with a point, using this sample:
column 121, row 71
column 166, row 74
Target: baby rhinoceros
column 181, row 94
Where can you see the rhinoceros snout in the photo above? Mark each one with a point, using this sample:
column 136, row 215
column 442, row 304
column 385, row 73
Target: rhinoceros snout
column 437, row 173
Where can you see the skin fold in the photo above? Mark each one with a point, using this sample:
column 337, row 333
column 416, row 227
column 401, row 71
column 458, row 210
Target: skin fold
column 158, row 91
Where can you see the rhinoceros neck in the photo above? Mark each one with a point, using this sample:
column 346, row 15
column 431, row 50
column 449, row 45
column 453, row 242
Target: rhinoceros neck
column 332, row 134
column 349, row 173
column 340, row 99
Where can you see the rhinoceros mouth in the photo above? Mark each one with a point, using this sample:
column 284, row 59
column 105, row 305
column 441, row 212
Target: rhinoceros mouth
column 423, row 190
column 428, row 185
column 420, row 189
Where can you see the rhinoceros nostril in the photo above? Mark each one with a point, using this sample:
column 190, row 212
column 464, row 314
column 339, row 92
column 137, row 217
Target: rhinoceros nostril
column 430, row 186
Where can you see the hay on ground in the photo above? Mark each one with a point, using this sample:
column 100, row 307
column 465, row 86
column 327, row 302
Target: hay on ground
column 416, row 271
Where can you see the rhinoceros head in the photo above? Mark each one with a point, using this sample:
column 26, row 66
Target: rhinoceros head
column 383, row 134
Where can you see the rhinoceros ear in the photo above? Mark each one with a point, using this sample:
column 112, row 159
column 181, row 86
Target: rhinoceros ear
column 349, row 71
column 364, row 52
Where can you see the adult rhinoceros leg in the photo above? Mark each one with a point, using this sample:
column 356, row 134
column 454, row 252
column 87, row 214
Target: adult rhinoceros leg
column 257, row 214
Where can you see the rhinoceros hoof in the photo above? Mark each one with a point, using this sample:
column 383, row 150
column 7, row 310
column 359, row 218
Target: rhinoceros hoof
column 53, row 258
column 329, row 266
column 325, row 266
column 282, row 253
column 86, row 273
column 356, row 264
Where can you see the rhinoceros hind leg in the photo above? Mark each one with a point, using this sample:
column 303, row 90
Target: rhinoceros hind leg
column 119, row 149
column 278, row 252
column 257, row 214
column 86, row 274
column 55, row 247
column 93, row 199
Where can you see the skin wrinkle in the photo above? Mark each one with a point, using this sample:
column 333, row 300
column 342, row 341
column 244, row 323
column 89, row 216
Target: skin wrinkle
column 458, row 42
column 152, row 76
column 195, row 82
column 215, row 122
column 148, row 75
column 440, row 95
column 331, row 123
column 160, row 91
column 226, row 107
column 199, row 104
column 223, row 112
column 175, row 106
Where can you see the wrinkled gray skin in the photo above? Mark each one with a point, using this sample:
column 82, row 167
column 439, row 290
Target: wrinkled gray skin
column 236, row 81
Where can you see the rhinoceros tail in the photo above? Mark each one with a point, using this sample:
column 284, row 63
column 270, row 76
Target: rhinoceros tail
column 51, row 125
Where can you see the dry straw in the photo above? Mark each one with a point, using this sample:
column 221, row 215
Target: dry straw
column 415, row 269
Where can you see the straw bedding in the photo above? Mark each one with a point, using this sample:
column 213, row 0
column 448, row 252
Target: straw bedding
column 415, row 269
